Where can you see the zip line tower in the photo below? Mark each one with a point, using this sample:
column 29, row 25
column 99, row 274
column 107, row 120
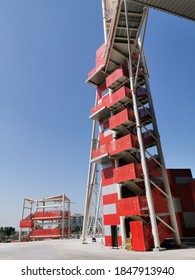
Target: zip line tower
column 136, row 195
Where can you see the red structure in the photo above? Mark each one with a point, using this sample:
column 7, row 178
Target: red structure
column 41, row 219
column 135, row 210
column 142, row 199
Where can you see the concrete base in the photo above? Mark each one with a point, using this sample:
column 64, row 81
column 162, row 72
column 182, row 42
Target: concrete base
column 73, row 249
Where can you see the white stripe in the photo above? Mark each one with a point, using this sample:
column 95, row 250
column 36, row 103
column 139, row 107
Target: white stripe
column 107, row 132
column 107, row 230
column 110, row 189
column 109, row 209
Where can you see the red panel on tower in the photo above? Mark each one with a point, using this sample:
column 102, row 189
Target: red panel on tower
column 100, row 89
column 26, row 223
column 104, row 101
column 110, row 198
column 47, row 233
column 111, row 219
column 100, row 60
column 128, row 172
column 106, row 139
column 117, row 77
column 108, row 241
column 127, row 142
column 125, row 117
column 107, row 176
column 100, row 151
column 48, row 215
column 141, row 236
column 119, row 241
column 132, row 206
column 106, row 125
column 122, row 95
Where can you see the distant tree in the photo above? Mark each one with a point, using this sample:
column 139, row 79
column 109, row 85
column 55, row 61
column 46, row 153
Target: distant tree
column 9, row 231
column 76, row 229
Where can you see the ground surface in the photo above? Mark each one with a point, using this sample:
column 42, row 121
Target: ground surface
column 74, row 250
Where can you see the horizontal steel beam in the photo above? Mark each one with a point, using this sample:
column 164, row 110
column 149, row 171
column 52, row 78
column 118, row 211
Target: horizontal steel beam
column 175, row 7
column 132, row 14
column 125, row 28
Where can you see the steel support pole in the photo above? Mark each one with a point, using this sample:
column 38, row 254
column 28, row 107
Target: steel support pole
column 141, row 144
column 37, row 206
column 92, row 183
column 104, row 19
column 63, row 201
column 68, row 218
column 88, row 192
column 162, row 161
column 31, row 206
column 22, row 216
column 43, row 211
column 141, row 46
column 97, row 209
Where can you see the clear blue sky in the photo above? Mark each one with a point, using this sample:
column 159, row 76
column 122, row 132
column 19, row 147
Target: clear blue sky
column 47, row 48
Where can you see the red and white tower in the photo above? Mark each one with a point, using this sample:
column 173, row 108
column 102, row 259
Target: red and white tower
column 136, row 196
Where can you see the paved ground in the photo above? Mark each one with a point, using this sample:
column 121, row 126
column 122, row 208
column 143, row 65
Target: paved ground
column 75, row 250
